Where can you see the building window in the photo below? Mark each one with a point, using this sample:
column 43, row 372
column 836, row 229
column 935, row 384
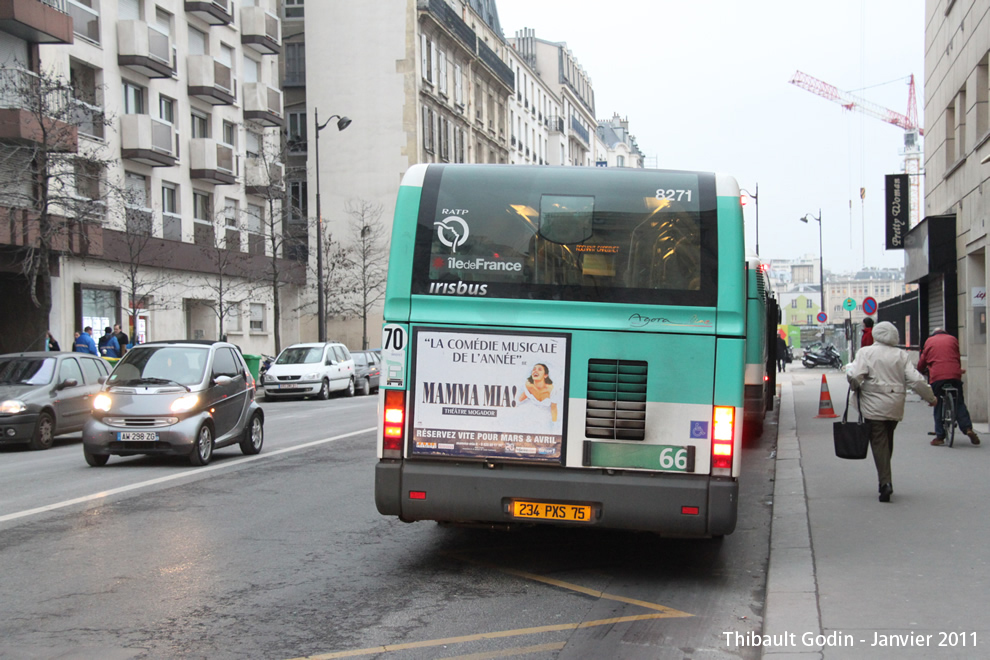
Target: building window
column 98, row 308
column 171, row 220
column 231, row 223
column 297, row 132
column 458, row 86
column 200, row 125
column 229, row 134
column 428, row 61
column 295, row 63
column 428, row 137
column 293, row 9
column 133, row 99
column 203, row 232
column 257, row 317
column 89, row 176
column 442, row 72
column 232, row 321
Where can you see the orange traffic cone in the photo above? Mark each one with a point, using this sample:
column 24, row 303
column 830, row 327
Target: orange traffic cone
column 825, row 402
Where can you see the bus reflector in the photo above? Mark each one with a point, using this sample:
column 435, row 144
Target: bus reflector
column 393, row 428
column 689, row 510
column 722, row 433
column 417, row 494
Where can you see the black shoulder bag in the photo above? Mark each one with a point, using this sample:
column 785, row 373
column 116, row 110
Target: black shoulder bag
column 852, row 439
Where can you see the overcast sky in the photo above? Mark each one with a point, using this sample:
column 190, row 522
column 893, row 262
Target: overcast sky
column 704, row 84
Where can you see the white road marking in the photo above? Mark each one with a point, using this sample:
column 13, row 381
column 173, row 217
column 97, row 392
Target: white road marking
column 172, row 477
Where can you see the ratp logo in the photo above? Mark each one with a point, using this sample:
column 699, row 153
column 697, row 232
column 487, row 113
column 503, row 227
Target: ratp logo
column 452, row 232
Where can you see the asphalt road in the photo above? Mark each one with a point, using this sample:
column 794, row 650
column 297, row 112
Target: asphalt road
column 283, row 555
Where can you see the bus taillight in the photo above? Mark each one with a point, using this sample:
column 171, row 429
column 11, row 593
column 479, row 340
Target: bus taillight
column 395, row 412
column 722, row 434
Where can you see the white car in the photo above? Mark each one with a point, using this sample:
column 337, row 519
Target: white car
column 310, row 370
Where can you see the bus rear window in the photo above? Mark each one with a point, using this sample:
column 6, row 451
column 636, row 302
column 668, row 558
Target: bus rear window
column 569, row 233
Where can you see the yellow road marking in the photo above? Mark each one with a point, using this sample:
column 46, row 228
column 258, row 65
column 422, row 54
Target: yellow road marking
column 490, row 635
column 670, row 612
column 507, row 653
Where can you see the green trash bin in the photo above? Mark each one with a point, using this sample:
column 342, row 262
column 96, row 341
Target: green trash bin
column 253, row 364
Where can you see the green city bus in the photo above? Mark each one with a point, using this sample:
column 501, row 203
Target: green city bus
column 564, row 345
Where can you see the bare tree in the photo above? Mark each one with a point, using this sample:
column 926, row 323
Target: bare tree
column 227, row 281
column 141, row 283
column 270, row 186
column 54, row 193
column 364, row 281
column 336, row 264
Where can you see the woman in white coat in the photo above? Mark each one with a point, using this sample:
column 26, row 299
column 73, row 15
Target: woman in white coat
column 880, row 375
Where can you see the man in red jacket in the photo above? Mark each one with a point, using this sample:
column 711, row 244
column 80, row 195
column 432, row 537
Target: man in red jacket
column 940, row 357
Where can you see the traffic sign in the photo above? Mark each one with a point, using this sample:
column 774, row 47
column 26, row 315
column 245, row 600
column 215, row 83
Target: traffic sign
column 822, row 317
column 849, row 304
column 869, row 305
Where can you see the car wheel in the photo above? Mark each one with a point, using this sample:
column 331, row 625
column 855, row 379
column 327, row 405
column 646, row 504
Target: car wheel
column 44, row 432
column 254, row 436
column 350, row 388
column 324, row 391
column 203, row 447
column 365, row 387
column 95, row 460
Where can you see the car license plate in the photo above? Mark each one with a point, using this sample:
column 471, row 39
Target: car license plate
column 137, row 436
column 549, row 511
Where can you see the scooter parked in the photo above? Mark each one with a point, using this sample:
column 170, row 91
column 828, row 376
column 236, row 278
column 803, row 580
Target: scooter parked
column 266, row 362
column 827, row 356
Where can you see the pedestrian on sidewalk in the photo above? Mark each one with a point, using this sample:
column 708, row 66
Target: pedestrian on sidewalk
column 940, row 357
column 867, row 339
column 84, row 342
column 880, row 376
column 781, row 354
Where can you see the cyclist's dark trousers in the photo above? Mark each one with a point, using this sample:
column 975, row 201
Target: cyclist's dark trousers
column 962, row 414
column 882, row 444
column 781, row 365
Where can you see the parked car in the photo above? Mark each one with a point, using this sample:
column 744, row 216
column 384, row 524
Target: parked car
column 45, row 394
column 310, row 370
column 178, row 398
column 367, row 370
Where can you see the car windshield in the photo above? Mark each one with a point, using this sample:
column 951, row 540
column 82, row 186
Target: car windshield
column 301, row 355
column 27, row 371
column 360, row 359
column 183, row 365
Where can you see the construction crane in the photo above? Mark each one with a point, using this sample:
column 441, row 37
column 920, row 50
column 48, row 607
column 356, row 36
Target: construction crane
column 908, row 122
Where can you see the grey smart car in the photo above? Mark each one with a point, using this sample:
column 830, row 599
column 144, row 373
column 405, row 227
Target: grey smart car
column 183, row 398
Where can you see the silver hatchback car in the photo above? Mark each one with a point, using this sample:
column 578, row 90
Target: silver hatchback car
column 182, row 398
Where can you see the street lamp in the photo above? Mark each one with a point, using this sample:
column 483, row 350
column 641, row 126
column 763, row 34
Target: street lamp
column 756, row 198
column 821, row 270
column 321, row 322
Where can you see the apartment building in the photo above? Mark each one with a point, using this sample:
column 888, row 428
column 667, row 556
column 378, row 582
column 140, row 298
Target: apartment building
column 946, row 252
column 178, row 114
column 620, row 145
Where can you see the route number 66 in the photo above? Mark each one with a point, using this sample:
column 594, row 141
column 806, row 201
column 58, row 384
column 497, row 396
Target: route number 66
column 673, row 458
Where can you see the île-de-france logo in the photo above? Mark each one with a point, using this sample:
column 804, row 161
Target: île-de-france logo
column 452, row 232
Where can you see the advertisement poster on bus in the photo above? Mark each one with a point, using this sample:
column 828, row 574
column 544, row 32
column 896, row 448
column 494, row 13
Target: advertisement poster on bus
column 490, row 395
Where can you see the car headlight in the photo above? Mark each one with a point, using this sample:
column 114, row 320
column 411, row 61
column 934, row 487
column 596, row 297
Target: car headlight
column 268, row 379
column 102, row 402
column 12, row 406
column 185, row 403
column 313, row 376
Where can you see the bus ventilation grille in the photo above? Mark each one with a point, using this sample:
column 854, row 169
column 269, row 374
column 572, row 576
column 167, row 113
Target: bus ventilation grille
column 616, row 400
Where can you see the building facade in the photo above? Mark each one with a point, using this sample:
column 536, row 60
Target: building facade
column 952, row 274
column 178, row 110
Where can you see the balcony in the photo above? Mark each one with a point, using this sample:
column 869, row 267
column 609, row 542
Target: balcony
column 211, row 161
column 263, row 178
column 36, row 21
column 21, row 227
column 144, row 48
column 210, row 80
column 579, row 131
column 21, row 94
column 147, row 140
column 261, row 30
column 85, row 16
column 90, row 119
column 262, row 104
column 214, row 12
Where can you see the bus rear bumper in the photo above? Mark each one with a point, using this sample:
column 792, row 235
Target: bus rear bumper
column 469, row 493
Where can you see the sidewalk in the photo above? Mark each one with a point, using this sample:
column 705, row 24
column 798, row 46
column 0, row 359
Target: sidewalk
column 851, row 577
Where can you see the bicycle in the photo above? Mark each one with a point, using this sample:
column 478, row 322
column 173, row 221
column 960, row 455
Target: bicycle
column 948, row 413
